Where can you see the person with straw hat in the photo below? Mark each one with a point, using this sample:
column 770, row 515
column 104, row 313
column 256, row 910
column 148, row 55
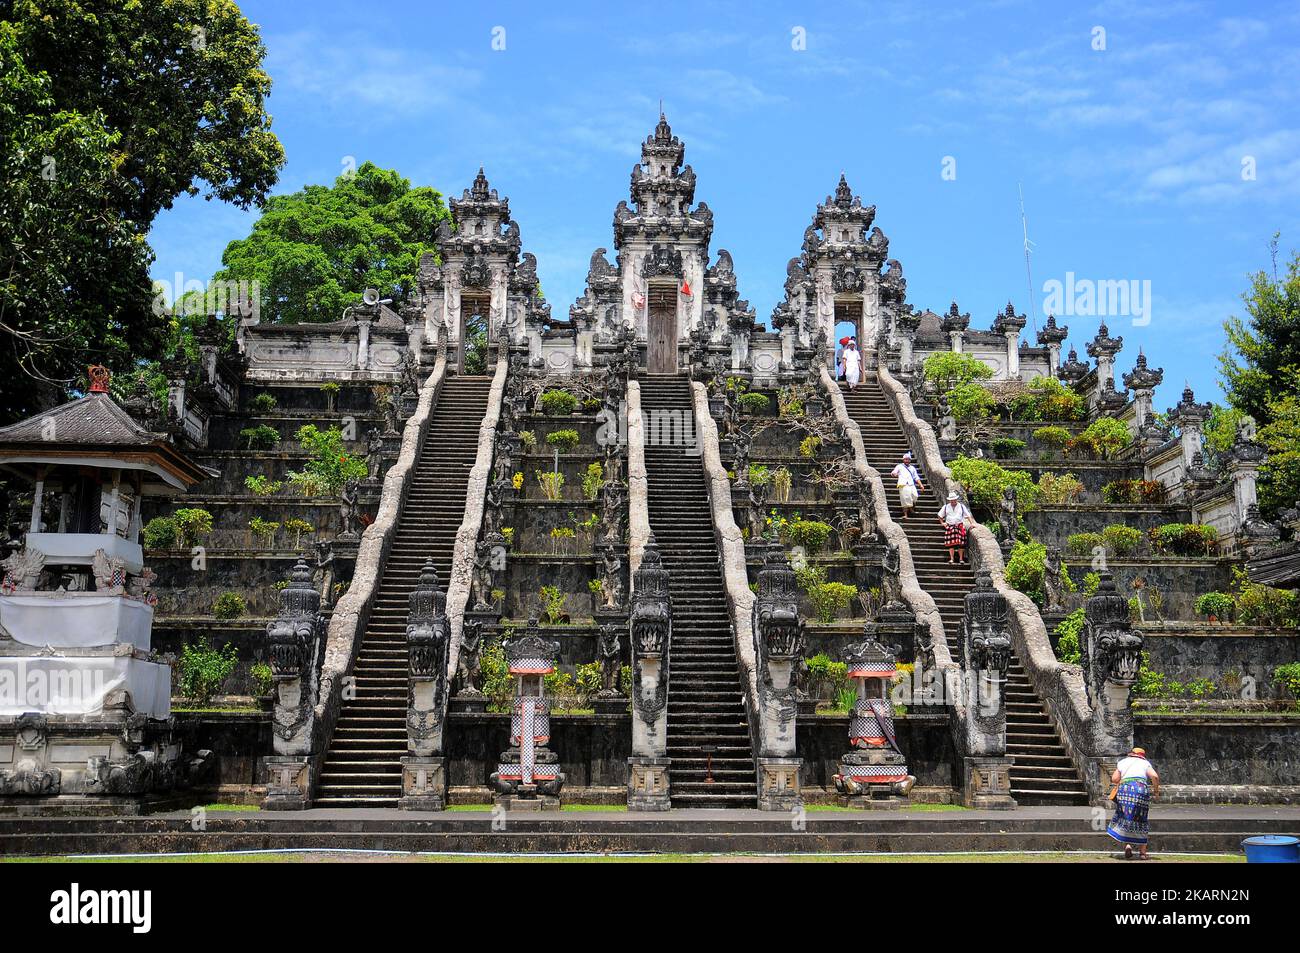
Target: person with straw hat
column 955, row 518
column 1136, row 782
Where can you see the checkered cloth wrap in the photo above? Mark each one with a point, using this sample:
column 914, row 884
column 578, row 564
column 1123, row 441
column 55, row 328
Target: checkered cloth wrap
column 538, row 772
column 882, row 669
column 532, row 666
column 954, row 535
column 541, row 721
column 872, row 722
column 875, row 773
column 530, row 725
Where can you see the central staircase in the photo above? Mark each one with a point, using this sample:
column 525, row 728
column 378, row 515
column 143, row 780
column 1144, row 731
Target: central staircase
column 706, row 712
column 1042, row 772
column 362, row 764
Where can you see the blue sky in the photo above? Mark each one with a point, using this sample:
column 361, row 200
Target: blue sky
column 1134, row 159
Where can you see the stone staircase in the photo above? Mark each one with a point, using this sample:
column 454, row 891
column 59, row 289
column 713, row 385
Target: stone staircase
column 362, row 764
column 1042, row 772
column 705, row 704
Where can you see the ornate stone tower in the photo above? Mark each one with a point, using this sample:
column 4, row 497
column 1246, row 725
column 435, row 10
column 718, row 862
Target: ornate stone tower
column 485, row 287
column 661, row 294
column 838, row 277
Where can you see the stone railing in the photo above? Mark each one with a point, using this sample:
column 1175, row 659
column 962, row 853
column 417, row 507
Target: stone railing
column 731, row 550
column 918, row 600
column 1060, row 685
column 638, row 511
column 352, row 612
column 462, row 560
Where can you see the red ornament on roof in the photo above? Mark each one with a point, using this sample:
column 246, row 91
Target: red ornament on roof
column 99, row 378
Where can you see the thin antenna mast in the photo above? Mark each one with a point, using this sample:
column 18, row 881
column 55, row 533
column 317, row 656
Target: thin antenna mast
column 1029, row 274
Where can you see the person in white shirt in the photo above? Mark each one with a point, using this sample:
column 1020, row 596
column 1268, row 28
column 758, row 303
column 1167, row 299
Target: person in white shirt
column 910, row 485
column 1136, row 782
column 851, row 363
column 952, row 517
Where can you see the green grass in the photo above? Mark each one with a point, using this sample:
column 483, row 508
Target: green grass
column 231, row 807
column 354, row 857
column 909, row 807
column 563, row 807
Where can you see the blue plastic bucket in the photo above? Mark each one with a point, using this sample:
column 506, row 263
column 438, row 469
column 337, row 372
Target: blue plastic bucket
column 1272, row 849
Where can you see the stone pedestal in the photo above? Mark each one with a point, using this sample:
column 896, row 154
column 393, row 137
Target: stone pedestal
column 288, row 783
column 778, row 784
column 424, row 784
column 526, row 800
column 473, row 704
column 613, row 705
column 647, row 784
column 988, row 784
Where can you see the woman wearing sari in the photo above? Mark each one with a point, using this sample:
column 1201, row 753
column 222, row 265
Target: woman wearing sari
column 1136, row 782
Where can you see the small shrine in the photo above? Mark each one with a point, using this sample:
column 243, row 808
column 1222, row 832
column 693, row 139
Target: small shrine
column 84, row 706
column 874, row 771
column 528, row 776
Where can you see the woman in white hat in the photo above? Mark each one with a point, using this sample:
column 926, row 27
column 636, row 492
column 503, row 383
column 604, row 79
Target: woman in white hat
column 953, row 517
column 908, row 480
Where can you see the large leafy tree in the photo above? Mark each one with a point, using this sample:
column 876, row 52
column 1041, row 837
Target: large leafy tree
column 312, row 253
column 1261, row 371
column 110, row 110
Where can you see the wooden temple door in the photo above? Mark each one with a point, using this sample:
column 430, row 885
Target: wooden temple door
column 661, row 331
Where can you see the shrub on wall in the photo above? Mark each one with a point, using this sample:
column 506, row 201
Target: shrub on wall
column 262, row 485
column 1102, row 439
column 160, row 533
column 1287, row 677
column 754, row 403
column 1133, row 491
column 1264, row 605
column 810, row 534
column 1053, row 438
column 229, row 605
column 592, row 481
column 829, row 599
column 331, row 463
column 1006, row 446
column 558, row 402
column 263, row 403
column 1024, row 570
column 1082, row 544
column 1121, row 540
column 1068, row 631
column 971, row 401
column 985, row 483
column 260, row 437
column 202, row 670
column 192, row 524
column 563, row 439
column 1060, row 488
column 1218, row 605
column 947, row 369
column 1046, row 398
column 1184, row 539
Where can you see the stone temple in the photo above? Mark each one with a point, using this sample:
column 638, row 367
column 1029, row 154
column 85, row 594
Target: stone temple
column 464, row 550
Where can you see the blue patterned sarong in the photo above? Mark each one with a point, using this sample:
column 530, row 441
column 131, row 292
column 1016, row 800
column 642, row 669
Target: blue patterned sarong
column 1132, row 802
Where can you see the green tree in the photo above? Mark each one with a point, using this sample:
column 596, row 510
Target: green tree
column 314, row 252
column 110, row 109
column 1261, row 371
